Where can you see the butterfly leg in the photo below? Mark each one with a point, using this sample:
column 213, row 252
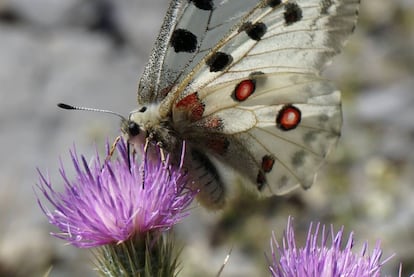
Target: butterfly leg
column 163, row 157
column 162, row 153
column 112, row 149
column 144, row 168
column 148, row 139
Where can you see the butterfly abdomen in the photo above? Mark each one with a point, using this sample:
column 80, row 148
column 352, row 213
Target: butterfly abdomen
column 203, row 175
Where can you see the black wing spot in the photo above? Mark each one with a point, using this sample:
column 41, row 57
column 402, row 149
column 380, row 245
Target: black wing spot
column 258, row 77
column 206, row 5
column 293, row 13
column 254, row 31
column 183, row 41
column 256, row 74
column 219, row 61
column 273, row 3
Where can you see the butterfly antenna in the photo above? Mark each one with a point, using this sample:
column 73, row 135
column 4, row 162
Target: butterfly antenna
column 70, row 107
column 123, row 120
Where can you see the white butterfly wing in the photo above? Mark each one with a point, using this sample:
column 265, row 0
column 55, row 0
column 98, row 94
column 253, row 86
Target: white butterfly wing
column 256, row 100
column 273, row 146
column 293, row 36
column 240, row 80
column 189, row 32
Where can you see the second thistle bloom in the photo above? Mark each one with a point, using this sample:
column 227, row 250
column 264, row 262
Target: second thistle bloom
column 106, row 203
column 323, row 259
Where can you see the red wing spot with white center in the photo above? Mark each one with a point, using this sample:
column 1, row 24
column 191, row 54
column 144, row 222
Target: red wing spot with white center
column 267, row 163
column 288, row 118
column 243, row 90
column 193, row 105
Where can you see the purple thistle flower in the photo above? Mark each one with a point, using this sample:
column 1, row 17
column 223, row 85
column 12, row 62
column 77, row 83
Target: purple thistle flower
column 322, row 260
column 107, row 204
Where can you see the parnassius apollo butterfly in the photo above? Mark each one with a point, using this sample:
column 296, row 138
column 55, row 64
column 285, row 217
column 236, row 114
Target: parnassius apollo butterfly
column 239, row 81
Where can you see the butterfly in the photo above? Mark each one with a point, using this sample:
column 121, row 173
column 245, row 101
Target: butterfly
column 240, row 82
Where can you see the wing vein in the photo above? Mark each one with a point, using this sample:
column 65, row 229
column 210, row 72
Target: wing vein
column 277, row 158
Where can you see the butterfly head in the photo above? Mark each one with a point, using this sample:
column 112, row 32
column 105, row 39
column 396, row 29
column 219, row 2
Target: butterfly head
column 140, row 124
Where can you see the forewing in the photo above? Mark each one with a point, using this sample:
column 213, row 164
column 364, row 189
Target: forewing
column 149, row 84
column 191, row 29
column 201, row 40
column 269, row 36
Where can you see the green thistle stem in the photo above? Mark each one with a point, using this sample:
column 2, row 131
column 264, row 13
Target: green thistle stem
column 152, row 256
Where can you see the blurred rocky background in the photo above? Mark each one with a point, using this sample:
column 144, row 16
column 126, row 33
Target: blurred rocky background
column 91, row 53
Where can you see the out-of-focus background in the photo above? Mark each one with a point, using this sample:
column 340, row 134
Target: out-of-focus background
column 91, row 53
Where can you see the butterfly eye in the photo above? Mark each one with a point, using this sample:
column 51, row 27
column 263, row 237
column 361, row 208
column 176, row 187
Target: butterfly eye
column 133, row 129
